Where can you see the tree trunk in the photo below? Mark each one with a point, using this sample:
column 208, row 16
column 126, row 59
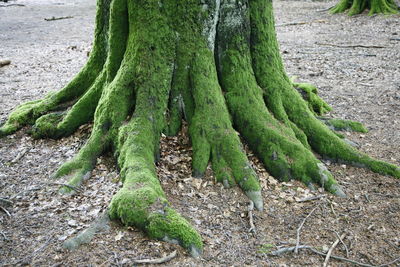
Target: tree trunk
column 213, row 64
column 355, row 7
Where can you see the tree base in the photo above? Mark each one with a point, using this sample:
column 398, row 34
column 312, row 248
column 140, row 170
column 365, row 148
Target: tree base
column 354, row 7
column 215, row 65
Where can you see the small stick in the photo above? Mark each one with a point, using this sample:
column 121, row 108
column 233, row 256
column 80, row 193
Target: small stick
column 287, row 249
column 6, row 201
column 325, row 9
column 390, row 263
column 19, row 156
column 290, row 249
column 299, row 23
column 59, row 18
column 77, row 189
column 310, row 198
column 157, row 261
column 4, row 235
column 6, row 211
column 341, row 241
column 296, row 250
column 328, row 255
column 4, row 62
column 352, row 46
column 12, row 5
column 250, row 214
column 332, row 208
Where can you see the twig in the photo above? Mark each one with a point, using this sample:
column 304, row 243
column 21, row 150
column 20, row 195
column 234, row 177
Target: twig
column 310, row 198
column 159, row 260
column 6, row 211
column 394, row 39
column 299, row 23
column 59, row 18
column 24, row 191
column 332, row 208
column 328, row 255
column 33, row 254
column 4, row 62
column 390, row 263
column 296, row 250
column 287, row 249
column 20, row 155
column 6, row 201
column 352, row 46
column 12, row 5
column 77, row 189
column 325, row 9
column 344, row 244
column 250, row 214
column 290, row 249
column 4, row 235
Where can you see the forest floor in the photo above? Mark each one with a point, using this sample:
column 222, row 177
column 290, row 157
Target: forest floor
column 354, row 61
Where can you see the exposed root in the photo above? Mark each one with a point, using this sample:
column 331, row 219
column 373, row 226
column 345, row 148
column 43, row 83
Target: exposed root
column 84, row 237
column 354, row 7
column 215, row 134
column 344, row 125
column 310, row 94
column 218, row 67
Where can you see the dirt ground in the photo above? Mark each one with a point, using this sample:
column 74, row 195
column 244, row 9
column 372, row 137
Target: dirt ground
column 361, row 83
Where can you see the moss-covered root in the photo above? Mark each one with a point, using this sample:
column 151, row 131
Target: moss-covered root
column 212, row 133
column 344, row 125
column 355, row 7
column 28, row 113
column 141, row 202
column 60, row 124
column 310, row 94
column 276, row 143
column 79, row 168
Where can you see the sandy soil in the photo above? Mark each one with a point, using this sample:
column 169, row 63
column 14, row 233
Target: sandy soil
column 361, row 83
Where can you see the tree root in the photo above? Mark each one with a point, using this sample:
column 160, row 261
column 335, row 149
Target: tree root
column 150, row 69
column 354, row 7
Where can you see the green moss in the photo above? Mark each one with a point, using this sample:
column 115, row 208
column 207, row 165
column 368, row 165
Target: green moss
column 354, row 7
column 345, row 125
column 168, row 225
column 310, row 94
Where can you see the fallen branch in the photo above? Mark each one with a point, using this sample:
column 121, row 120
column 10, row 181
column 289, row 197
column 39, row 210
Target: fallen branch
column 157, row 261
column 291, row 249
column 4, row 62
column 4, row 236
column 6, row 201
column 20, row 155
column 11, row 5
column 310, row 198
column 296, row 249
column 250, row 214
column 328, row 255
column 6, row 211
column 351, row 46
column 77, row 189
column 299, row 23
column 394, row 39
column 59, row 18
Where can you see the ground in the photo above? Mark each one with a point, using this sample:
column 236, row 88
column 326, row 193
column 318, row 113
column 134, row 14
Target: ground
column 360, row 83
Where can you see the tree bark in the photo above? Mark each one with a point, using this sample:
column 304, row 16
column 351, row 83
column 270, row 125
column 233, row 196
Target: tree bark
column 212, row 63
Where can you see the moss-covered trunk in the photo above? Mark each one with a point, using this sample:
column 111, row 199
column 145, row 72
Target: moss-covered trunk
column 212, row 63
column 355, row 7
